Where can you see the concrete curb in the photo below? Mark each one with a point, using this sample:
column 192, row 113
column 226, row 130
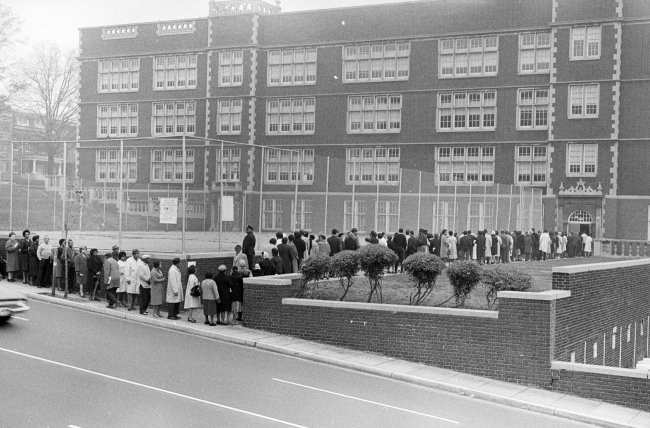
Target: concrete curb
column 402, row 377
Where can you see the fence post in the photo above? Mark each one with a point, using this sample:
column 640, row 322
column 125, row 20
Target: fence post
column 327, row 188
column 510, row 209
column 399, row 200
column 11, row 188
column 221, row 192
column 419, row 198
column 259, row 223
column 28, row 183
column 121, row 195
column 183, row 197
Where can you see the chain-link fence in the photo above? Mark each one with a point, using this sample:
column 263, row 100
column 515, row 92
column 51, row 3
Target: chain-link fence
column 272, row 189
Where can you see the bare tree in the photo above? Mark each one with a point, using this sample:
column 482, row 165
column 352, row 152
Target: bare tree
column 71, row 213
column 51, row 77
column 9, row 36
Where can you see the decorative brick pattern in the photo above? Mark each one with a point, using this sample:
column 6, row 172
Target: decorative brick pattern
column 174, row 28
column 128, row 32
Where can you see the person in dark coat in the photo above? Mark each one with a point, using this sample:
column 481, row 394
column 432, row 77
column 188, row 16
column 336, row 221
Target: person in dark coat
column 528, row 246
column 301, row 247
column 335, row 243
column 284, row 251
column 248, row 246
column 399, row 239
column 520, row 244
column 278, row 263
column 23, row 254
column 33, row 260
column 237, row 296
column 95, row 266
column 351, row 240
column 480, row 247
column 372, row 239
column 535, row 238
column 466, row 245
column 11, row 247
column 436, row 243
column 495, row 247
column 224, row 285
column 267, row 266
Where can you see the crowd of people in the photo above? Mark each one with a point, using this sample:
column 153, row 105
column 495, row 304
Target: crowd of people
column 288, row 252
column 139, row 278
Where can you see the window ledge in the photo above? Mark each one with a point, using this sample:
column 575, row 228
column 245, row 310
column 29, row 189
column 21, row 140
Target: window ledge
column 467, row 130
column 533, row 73
column 397, row 79
column 373, row 132
column 594, row 58
column 545, row 128
column 471, row 76
column 286, row 134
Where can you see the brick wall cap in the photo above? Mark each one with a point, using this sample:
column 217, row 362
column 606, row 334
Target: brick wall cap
column 392, row 308
column 199, row 256
column 272, row 280
column 604, row 370
column 531, row 295
column 601, row 266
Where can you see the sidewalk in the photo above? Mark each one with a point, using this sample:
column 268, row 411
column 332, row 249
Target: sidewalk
column 536, row 400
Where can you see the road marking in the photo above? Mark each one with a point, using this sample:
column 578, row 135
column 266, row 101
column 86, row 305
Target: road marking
column 366, row 401
column 19, row 318
column 153, row 388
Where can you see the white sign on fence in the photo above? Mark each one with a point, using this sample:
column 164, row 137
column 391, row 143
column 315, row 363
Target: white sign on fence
column 168, row 210
column 228, row 208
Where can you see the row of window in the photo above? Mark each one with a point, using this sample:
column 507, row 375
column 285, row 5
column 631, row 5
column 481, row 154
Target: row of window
column 480, row 215
column 457, row 58
column 460, row 165
column 456, row 111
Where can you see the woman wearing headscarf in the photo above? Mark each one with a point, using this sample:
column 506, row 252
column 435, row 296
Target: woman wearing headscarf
column 157, row 288
column 11, row 246
column 95, row 265
column 210, row 294
column 257, row 271
column 174, row 295
column 121, row 291
column 33, row 260
column 267, row 265
column 192, row 302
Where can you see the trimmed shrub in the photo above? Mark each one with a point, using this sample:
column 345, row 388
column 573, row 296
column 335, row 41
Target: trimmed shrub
column 463, row 276
column 374, row 260
column 315, row 268
column 345, row 266
column 423, row 269
column 499, row 279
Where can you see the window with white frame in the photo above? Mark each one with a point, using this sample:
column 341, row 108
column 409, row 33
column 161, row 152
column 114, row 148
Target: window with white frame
column 387, row 216
column 375, row 114
column 229, row 117
column 231, row 68
column 373, row 166
column 167, row 165
column 582, row 160
column 444, row 215
column 376, row 63
column 532, row 108
column 292, row 67
column 174, row 118
column 305, row 214
column 354, row 215
column 175, row 72
column 481, row 216
column 287, row 166
column 231, row 165
column 467, row 111
column 272, row 214
column 534, row 53
column 585, row 43
column 291, row 116
column 117, row 120
column 583, row 101
column 468, row 57
column 107, row 166
column 465, row 165
column 119, row 75
column 530, row 165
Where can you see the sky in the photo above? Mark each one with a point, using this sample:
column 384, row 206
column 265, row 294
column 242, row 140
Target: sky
column 59, row 20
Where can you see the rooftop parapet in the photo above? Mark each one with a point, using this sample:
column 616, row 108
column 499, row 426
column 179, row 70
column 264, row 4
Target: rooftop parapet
column 220, row 8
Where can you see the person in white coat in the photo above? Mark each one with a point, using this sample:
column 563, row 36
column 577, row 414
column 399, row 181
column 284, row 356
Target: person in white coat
column 175, row 294
column 143, row 274
column 132, row 285
column 121, row 291
column 545, row 244
column 588, row 242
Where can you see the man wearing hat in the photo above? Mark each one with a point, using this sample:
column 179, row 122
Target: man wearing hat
column 116, row 252
column 248, row 246
column 143, row 277
column 130, row 276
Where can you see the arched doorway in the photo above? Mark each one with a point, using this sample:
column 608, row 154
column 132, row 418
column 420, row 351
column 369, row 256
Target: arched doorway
column 581, row 221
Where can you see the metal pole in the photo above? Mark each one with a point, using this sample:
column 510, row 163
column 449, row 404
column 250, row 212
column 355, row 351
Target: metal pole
column 104, row 218
column 399, row 199
column 183, row 196
column 54, row 212
column 27, row 216
column 327, row 187
column 148, row 198
column 419, row 198
column 437, row 226
column 469, row 209
column 484, row 205
column 455, row 206
column 261, row 193
column 121, row 196
column 221, row 195
column 354, row 181
column 11, row 187
column 168, row 195
column 510, row 209
column 64, row 193
column 81, row 203
column 295, row 207
column 496, row 210
column 377, row 209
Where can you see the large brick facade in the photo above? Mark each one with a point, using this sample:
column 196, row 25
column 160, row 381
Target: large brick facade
column 617, row 206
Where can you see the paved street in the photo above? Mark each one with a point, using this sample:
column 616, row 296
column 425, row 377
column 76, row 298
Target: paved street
column 62, row 367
